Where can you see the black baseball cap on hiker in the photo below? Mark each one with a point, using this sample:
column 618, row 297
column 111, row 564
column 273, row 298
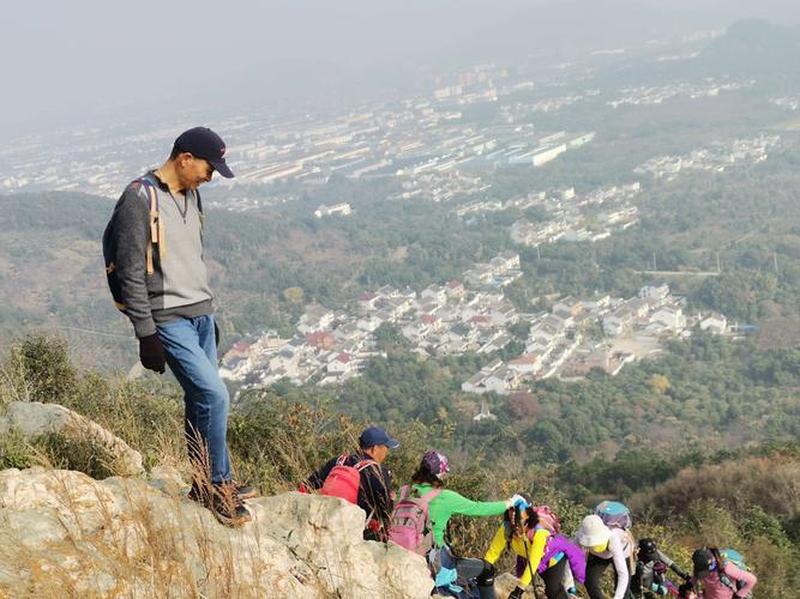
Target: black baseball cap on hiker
column 375, row 435
column 702, row 560
column 204, row 143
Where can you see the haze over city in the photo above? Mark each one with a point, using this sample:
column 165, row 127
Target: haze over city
column 73, row 64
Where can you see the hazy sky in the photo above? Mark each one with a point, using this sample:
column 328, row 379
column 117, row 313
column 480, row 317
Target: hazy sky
column 63, row 61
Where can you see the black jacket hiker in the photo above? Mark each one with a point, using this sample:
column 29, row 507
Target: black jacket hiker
column 374, row 492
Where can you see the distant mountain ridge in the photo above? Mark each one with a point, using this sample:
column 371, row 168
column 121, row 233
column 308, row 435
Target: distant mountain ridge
column 748, row 49
column 568, row 30
column 754, row 48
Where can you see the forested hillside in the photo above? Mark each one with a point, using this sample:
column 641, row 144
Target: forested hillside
column 51, row 267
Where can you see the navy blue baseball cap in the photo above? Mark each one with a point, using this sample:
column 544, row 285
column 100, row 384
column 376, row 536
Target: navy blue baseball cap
column 375, row 435
column 204, row 143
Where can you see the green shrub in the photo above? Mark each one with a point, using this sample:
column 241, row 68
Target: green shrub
column 39, row 369
column 83, row 456
column 15, row 451
column 147, row 415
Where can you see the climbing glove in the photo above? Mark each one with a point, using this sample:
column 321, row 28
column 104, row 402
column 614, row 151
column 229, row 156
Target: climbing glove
column 151, row 353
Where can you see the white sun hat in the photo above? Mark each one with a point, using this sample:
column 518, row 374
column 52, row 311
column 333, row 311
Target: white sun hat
column 592, row 532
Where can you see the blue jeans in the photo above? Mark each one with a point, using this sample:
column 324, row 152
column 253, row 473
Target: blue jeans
column 192, row 356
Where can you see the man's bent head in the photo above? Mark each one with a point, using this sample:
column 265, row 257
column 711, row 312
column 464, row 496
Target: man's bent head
column 196, row 154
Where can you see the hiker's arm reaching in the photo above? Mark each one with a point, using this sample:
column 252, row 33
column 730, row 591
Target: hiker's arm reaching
column 620, row 565
column 662, row 557
column 458, row 504
column 569, row 579
column 535, row 556
column 576, row 558
column 675, row 567
column 131, row 230
column 747, row 578
column 497, row 547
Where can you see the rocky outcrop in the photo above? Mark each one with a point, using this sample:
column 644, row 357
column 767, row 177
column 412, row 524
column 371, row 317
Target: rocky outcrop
column 36, row 420
column 65, row 534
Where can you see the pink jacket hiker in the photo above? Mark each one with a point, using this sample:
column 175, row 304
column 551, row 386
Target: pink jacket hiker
column 714, row 589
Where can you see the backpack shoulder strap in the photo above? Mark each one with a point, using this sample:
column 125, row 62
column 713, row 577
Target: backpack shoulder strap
column 155, row 224
column 151, row 189
column 200, row 212
column 717, row 557
column 364, row 464
column 721, row 563
column 342, row 459
column 405, row 492
column 428, row 497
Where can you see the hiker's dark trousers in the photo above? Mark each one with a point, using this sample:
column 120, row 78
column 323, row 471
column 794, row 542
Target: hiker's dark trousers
column 595, row 568
column 554, row 580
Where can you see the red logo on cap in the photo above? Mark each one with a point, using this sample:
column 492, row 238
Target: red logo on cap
column 222, row 151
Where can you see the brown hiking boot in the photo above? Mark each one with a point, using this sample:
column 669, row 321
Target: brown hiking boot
column 200, row 492
column 246, row 491
column 227, row 506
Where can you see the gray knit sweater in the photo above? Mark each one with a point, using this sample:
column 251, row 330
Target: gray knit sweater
column 178, row 286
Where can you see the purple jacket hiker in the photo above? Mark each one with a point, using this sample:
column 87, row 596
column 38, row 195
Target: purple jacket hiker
column 558, row 544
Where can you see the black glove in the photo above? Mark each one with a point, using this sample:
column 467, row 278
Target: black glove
column 516, row 593
column 151, row 353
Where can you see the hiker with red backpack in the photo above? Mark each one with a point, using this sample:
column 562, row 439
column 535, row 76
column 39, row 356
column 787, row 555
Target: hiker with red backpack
column 606, row 538
column 361, row 479
column 420, row 521
column 721, row 573
column 533, row 534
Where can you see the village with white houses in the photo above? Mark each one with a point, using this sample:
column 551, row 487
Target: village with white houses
column 572, row 217
column 645, row 95
column 333, row 346
column 718, row 157
column 569, row 340
column 787, row 102
column 519, row 110
column 589, row 217
column 564, row 341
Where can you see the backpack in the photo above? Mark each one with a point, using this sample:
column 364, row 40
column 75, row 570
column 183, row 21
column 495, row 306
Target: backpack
column 617, row 515
column 614, row 514
column 411, row 526
column 725, row 556
column 547, row 518
column 344, row 481
column 157, row 238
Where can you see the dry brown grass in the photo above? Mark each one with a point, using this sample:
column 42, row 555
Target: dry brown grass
column 773, row 483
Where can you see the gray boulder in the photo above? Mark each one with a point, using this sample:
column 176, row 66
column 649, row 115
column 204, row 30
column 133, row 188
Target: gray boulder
column 35, row 420
column 63, row 533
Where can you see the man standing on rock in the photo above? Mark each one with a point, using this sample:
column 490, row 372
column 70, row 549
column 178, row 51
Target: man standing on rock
column 153, row 249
